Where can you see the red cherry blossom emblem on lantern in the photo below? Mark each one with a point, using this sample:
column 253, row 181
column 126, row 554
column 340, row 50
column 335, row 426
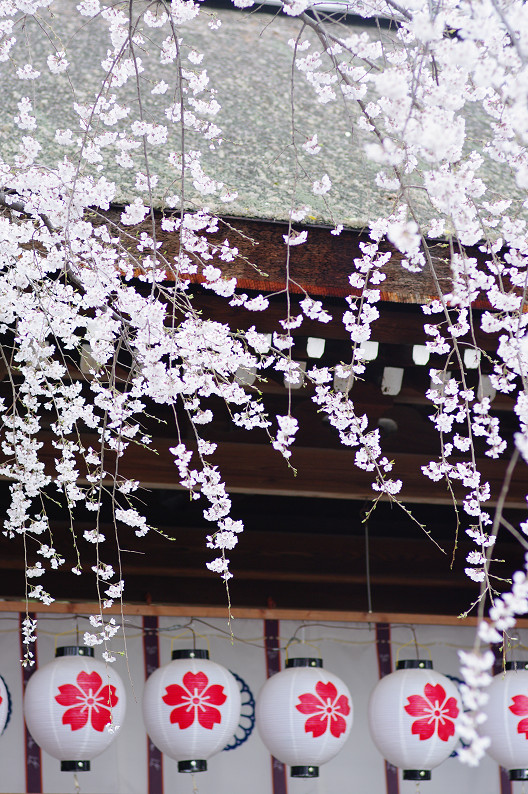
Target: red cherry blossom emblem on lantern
column 520, row 709
column 195, row 700
column 435, row 710
column 327, row 708
column 88, row 700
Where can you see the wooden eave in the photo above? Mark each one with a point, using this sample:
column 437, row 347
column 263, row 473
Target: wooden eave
column 305, row 545
column 321, row 266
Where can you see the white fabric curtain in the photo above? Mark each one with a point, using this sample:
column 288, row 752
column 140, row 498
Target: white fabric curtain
column 348, row 650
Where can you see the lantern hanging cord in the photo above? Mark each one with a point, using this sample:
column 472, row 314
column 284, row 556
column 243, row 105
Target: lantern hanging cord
column 77, row 788
column 416, row 645
column 364, row 517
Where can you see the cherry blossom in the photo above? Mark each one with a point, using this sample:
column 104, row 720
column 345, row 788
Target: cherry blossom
column 437, row 713
column 519, row 707
column 409, row 92
column 195, row 700
column 88, row 702
column 328, row 710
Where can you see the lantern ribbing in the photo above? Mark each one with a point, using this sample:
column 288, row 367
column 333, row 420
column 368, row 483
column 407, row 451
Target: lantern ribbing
column 412, row 718
column 71, row 703
column 191, row 708
column 304, row 715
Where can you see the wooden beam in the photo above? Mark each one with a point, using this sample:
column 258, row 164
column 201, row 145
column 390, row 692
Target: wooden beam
column 397, row 324
column 279, row 556
column 322, row 265
column 316, row 472
column 283, row 565
column 319, row 615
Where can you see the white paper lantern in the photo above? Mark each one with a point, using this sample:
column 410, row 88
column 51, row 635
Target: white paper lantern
column 5, row 705
column 71, row 704
column 191, row 708
column 304, row 715
column 507, row 723
column 412, row 718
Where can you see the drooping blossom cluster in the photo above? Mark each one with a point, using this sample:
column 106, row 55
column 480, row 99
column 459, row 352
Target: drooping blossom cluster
column 442, row 181
column 69, row 275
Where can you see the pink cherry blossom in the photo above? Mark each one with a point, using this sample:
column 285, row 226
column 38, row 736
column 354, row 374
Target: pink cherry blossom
column 328, row 709
column 436, row 713
column 520, row 709
column 195, row 700
column 88, row 701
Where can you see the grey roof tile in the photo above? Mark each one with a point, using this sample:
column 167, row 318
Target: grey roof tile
column 249, row 62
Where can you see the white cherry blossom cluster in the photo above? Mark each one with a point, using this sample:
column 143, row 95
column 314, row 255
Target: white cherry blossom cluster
column 91, row 308
column 29, row 636
column 69, row 276
column 103, row 637
column 427, row 158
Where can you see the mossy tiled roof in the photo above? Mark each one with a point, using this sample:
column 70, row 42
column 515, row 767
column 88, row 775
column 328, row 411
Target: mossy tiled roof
column 249, row 63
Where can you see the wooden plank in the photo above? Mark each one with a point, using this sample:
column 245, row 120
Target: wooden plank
column 398, row 324
column 285, row 566
column 435, row 580
column 320, row 472
column 282, row 554
column 164, row 610
column 322, row 265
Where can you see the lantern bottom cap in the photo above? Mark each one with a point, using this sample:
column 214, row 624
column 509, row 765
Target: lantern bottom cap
column 518, row 774
column 192, row 766
column 305, row 771
column 417, row 774
column 75, row 766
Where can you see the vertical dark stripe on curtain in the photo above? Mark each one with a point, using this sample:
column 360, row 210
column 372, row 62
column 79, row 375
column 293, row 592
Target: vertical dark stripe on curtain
column 383, row 647
column 271, row 641
column 151, row 654
column 33, row 753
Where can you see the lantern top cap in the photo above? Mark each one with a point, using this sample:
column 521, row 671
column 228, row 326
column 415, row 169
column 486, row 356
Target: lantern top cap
column 190, row 653
column 74, row 650
column 414, row 664
column 304, row 661
column 517, row 665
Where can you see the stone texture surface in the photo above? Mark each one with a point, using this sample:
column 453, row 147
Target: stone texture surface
column 249, row 63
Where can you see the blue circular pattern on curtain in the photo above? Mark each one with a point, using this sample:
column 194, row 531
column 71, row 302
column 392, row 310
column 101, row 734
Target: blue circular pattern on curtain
column 247, row 716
